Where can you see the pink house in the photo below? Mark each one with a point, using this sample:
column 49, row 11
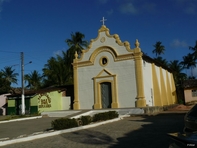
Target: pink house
column 190, row 90
column 3, row 104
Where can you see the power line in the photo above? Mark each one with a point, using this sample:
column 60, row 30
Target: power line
column 9, row 51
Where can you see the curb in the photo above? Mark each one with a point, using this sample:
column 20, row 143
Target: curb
column 54, row 133
column 21, row 119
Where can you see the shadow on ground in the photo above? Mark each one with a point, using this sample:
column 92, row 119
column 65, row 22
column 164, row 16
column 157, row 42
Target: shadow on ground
column 88, row 137
column 153, row 135
column 140, row 132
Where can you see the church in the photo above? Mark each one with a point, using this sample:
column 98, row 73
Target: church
column 109, row 74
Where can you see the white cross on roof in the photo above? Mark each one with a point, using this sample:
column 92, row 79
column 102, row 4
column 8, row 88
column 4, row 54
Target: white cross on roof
column 103, row 20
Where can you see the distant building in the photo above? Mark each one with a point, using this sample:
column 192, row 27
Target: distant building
column 109, row 74
column 190, row 90
column 3, row 104
column 48, row 99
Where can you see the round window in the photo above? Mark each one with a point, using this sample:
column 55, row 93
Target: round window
column 104, row 61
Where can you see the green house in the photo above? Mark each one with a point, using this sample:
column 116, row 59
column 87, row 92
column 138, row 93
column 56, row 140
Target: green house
column 48, row 99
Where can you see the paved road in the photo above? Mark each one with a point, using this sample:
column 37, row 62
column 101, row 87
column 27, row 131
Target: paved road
column 135, row 132
column 26, row 127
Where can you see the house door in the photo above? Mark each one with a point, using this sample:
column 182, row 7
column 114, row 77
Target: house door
column 106, row 95
column 18, row 106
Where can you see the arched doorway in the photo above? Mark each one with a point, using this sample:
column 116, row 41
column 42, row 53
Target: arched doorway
column 106, row 94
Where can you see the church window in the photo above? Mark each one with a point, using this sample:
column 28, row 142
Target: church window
column 103, row 61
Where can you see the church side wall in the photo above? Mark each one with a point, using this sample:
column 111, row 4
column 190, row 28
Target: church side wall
column 158, row 75
column 169, row 76
column 166, row 92
column 148, row 85
column 164, row 75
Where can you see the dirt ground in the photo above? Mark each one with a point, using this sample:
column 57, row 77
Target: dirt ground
column 181, row 107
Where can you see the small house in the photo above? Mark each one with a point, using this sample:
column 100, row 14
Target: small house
column 190, row 90
column 48, row 99
column 3, row 104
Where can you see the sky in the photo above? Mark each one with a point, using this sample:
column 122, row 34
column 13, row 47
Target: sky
column 39, row 28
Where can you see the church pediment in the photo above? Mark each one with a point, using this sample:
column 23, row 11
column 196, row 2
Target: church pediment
column 104, row 39
column 104, row 72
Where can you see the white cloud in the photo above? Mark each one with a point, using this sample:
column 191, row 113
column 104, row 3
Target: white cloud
column 58, row 52
column 191, row 9
column 128, row 8
column 1, row 4
column 178, row 44
column 187, row 6
column 110, row 12
column 103, row 1
column 149, row 7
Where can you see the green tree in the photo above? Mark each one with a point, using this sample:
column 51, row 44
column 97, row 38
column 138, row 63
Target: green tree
column 76, row 43
column 158, row 48
column 9, row 75
column 179, row 77
column 194, row 49
column 161, row 61
column 56, row 71
column 177, row 69
column 189, row 62
column 4, row 85
column 34, row 80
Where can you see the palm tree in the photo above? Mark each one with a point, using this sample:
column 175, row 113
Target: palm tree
column 161, row 61
column 159, row 48
column 34, row 80
column 4, row 85
column 56, row 71
column 177, row 69
column 9, row 75
column 189, row 61
column 179, row 77
column 76, row 43
column 194, row 49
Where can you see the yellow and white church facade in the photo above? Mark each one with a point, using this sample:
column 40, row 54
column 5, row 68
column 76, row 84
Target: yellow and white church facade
column 109, row 74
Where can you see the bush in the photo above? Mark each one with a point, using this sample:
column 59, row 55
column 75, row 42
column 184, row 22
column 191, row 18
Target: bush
column 86, row 120
column 113, row 114
column 64, row 123
column 105, row 116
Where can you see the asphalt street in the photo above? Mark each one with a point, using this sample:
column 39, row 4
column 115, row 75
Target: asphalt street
column 135, row 132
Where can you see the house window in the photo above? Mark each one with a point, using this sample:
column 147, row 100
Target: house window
column 194, row 93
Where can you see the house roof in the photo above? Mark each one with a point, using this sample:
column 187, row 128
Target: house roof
column 190, row 83
column 40, row 91
column 151, row 60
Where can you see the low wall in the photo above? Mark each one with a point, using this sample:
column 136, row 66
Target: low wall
column 157, row 109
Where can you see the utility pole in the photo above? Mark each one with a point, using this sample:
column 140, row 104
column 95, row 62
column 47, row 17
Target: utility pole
column 22, row 83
